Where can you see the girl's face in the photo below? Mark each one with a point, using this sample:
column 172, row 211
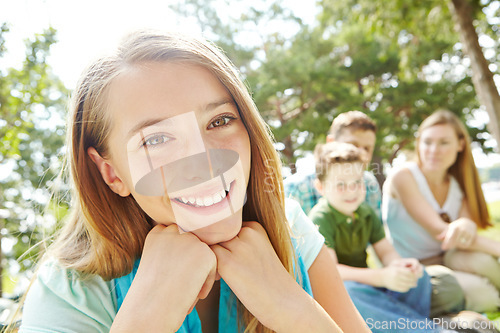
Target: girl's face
column 179, row 146
column 438, row 147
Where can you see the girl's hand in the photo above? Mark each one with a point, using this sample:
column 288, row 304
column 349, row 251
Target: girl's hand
column 253, row 271
column 401, row 275
column 175, row 271
column 461, row 234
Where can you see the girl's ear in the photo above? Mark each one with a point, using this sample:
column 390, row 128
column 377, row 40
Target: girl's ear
column 461, row 145
column 108, row 173
column 318, row 186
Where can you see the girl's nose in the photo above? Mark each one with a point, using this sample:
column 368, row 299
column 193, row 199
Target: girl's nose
column 433, row 147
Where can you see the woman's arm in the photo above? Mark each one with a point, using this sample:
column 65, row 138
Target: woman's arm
column 477, row 243
column 403, row 186
column 328, row 289
column 460, row 233
column 486, row 245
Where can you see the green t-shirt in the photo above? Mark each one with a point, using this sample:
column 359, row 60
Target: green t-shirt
column 348, row 238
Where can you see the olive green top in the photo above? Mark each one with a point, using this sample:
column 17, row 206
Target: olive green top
column 347, row 236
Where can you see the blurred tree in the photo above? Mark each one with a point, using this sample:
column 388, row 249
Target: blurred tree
column 396, row 60
column 32, row 101
column 487, row 91
column 433, row 71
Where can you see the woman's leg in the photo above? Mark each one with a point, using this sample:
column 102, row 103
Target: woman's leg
column 447, row 294
column 480, row 294
column 478, row 263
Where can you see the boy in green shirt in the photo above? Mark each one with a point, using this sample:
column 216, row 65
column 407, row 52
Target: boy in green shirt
column 399, row 292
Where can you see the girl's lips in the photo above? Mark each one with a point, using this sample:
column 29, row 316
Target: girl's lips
column 207, row 204
column 207, row 200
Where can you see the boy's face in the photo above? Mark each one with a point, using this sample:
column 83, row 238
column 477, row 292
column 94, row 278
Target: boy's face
column 344, row 187
column 364, row 139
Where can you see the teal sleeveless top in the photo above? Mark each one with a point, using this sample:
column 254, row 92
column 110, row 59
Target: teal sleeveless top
column 228, row 317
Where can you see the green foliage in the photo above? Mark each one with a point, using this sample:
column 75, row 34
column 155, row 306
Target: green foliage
column 32, row 103
column 396, row 60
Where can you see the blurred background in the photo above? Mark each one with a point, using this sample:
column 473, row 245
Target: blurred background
column 305, row 62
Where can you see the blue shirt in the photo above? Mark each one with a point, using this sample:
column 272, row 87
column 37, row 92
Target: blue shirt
column 228, row 317
column 61, row 299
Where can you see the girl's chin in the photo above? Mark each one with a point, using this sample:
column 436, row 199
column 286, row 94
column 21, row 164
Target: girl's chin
column 221, row 231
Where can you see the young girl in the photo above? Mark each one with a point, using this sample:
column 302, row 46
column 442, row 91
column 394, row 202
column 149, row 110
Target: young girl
column 434, row 206
column 195, row 272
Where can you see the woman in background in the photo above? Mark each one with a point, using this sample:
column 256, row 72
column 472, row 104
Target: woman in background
column 433, row 208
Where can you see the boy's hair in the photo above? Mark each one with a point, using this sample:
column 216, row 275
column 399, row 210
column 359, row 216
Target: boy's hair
column 334, row 152
column 352, row 120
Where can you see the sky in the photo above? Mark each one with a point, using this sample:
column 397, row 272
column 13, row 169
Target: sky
column 87, row 29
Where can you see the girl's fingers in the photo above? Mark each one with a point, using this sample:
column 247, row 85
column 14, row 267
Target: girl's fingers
column 450, row 239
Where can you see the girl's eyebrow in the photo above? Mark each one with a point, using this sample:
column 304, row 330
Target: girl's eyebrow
column 144, row 124
column 149, row 122
column 215, row 105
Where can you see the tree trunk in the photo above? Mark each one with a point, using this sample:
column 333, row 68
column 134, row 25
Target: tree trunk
column 288, row 154
column 482, row 77
column 377, row 167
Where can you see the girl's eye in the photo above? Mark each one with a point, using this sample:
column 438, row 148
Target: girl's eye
column 156, row 140
column 221, row 121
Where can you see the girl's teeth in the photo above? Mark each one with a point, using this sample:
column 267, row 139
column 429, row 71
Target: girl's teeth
column 205, row 201
column 208, row 201
column 217, row 198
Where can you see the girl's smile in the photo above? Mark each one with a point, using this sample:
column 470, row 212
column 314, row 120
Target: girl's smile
column 166, row 112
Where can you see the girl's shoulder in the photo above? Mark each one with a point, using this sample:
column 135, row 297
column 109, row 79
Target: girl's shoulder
column 304, row 233
column 61, row 298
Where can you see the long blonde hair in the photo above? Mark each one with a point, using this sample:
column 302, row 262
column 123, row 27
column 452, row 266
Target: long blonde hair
column 464, row 169
column 105, row 232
